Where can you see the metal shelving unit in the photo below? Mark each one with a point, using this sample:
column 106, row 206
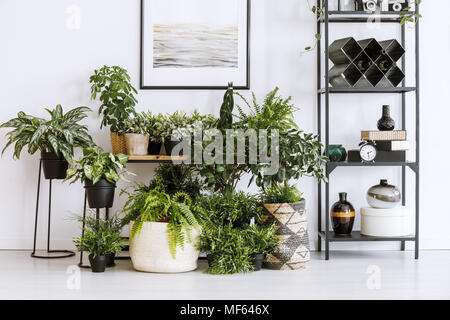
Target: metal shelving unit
column 324, row 92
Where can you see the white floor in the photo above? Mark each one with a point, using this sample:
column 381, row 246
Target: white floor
column 348, row 275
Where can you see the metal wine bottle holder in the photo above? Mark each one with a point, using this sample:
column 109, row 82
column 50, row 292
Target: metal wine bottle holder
column 365, row 63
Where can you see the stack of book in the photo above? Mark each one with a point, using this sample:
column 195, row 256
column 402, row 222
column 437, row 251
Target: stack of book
column 392, row 146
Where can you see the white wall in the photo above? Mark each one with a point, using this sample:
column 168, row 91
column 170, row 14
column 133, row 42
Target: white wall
column 44, row 63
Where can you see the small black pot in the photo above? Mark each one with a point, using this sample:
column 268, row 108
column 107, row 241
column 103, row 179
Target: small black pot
column 258, row 260
column 55, row 167
column 154, row 148
column 101, row 194
column 110, row 260
column 169, row 145
column 210, row 259
column 98, row 264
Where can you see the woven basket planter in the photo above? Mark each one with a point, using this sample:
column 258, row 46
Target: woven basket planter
column 118, row 143
column 293, row 250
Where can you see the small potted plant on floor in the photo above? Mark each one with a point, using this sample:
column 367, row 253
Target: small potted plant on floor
column 156, row 132
column 100, row 240
column 99, row 172
column 136, row 135
column 164, row 230
column 118, row 101
column 55, row 138
column 261, row 240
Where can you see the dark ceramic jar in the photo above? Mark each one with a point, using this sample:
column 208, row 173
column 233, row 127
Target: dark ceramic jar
column 386, row 123
column 343, row 216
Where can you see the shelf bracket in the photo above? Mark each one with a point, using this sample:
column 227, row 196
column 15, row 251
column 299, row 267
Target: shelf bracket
column 331, row 167
column 414, row 167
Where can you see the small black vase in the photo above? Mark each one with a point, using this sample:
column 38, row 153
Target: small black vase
column 386, row 123
column 343, row 216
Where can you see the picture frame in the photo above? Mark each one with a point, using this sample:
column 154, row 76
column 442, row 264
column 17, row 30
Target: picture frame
column 195, row 52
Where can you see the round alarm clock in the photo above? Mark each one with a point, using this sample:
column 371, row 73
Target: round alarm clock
column 367, row 151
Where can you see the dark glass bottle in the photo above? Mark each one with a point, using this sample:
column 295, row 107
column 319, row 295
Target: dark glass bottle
column 343, row 215
column 386, row 123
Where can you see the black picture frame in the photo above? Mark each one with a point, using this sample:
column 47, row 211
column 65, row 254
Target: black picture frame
column 146, row 87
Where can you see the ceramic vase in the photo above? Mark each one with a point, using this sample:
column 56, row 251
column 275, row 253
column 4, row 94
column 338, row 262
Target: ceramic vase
column 386, row 123
column 343, row 216
column 384, row 196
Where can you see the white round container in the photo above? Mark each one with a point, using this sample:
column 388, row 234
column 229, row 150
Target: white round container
column 394, row 222
column 149, row 250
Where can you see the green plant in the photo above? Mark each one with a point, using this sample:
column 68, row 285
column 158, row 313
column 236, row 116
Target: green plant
column 60, row 134
column 261, row 239
column 228, row 248
column 100, row 238
column 281, row 194
column 176, row 127
column 116, row 95
column 138, row 124
column 156, row 205
column 232, row 208
column 226, row 110
column 179, row 178
column 156, row 127
column 95, row 165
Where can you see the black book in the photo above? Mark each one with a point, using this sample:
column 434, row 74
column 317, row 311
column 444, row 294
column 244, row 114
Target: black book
column 382, row 156
column 392, row 145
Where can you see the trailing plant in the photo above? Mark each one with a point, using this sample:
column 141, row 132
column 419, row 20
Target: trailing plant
column 156, row 205
column 285, row 193
column 99, row 239
column 59, row 135
column 156, row 127
column 232, row 208
column 95, row 165
column 261, row 239
column 138, row 124
column 116, row 94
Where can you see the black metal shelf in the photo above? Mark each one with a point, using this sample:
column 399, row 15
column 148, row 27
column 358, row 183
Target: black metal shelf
column 356, row 236
column 367, row 90
column 325, row 18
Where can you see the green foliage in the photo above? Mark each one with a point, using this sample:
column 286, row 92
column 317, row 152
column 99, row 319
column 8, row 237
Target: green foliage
column 226, row 110
column 116, row 94
column 138, row 124
column 60, row 134
column 155, row 205
column 232, row 208
column 176, row 126
column 179, row 178
column 100, row 237
column 95, row 165
column 281, row 194
column 261, row 239
column 156, row 127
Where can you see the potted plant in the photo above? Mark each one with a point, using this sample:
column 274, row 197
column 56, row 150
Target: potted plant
column 164, row 230
column 156, row 132
column 101, row 240
column 136, row 135
column 261, row 240
column 175, row 129
column 118, row 101
column 99, row 172
column 55, row 138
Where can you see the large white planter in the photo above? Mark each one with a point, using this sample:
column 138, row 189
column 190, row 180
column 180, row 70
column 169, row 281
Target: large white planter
column 149, row 250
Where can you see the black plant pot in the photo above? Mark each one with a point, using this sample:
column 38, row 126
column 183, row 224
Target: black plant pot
column 169, row 145
column 98, row 264
column 154, row 148
column 110, row 260
column 55, row 167
column 101, row 194
column 210, row 259
column 258, row 260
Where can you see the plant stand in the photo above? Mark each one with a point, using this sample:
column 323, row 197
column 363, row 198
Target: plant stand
column 63, row 253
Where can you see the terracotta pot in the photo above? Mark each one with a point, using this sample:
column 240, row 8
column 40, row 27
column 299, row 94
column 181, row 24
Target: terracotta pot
column 293, row 250
column 149, row 250
column 136, row 144
column 118, row 143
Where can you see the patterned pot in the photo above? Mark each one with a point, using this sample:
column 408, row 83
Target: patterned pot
column 293, row 250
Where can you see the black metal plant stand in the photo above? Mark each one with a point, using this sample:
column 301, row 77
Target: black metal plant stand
column 331, row 17
column 64, row 253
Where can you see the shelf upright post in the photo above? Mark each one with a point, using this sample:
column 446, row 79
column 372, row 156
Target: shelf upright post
column 417, row 10
column 403, row 42
column 319, row 123
column 327, row 132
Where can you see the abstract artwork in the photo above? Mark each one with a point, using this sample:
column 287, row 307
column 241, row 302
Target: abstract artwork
column 194, row 44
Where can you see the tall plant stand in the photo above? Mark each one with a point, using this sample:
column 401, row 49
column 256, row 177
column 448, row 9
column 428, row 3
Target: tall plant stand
column 62, row 253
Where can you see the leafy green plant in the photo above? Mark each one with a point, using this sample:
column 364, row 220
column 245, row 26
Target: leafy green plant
column 232, row 208
column 156, row 205
column 261, row 239
column 116, row 94
column 60, row 134
column 156, row 127
column 138, row 124
column 281, row 194
column 100, row 238
column 95, row 165
column 226, row 110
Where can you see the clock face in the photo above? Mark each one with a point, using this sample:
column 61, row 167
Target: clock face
column 368, row 152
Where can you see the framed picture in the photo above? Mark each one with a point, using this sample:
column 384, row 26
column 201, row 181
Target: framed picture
column 195, row 44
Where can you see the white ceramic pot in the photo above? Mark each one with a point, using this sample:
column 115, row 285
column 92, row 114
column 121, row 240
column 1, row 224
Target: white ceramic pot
column 149, row 250
column 395, row 222
column 136, row 144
